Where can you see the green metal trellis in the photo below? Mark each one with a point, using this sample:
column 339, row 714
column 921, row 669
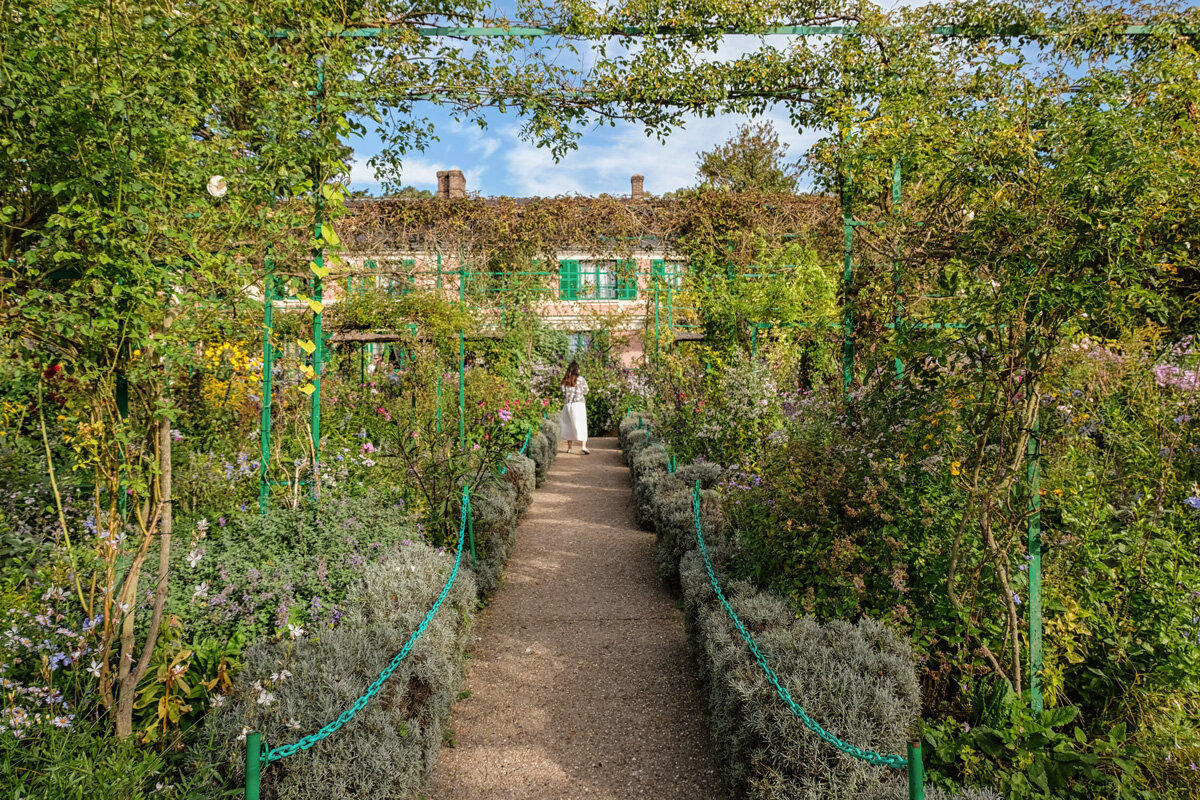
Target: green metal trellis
column 254, row 755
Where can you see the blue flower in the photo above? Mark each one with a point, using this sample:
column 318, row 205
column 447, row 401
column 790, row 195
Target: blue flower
column 1194, row 502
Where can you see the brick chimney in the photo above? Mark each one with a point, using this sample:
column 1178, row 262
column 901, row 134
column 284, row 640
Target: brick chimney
column 451, row 184
column 636, row 192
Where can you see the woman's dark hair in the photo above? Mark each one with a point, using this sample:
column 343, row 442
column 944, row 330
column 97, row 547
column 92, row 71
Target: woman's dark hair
column 572, row 374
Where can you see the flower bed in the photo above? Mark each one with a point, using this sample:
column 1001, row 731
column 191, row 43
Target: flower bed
column 856, row 680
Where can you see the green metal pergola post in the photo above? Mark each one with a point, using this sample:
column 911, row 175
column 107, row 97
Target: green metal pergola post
column 1033, row 451
column 462, row 352
column 318, row 295
column 847, row 285
column 897, row 284
column 268, row 367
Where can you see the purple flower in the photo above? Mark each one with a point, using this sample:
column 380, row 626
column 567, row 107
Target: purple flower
column 505, row 414
column 1193, row 502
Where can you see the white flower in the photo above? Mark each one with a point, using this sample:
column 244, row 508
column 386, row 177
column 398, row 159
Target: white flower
column 94, row 669
column 217, row 701
column 193, row 558
column 281, row 676
column 293, row 724
column 217, row 186
column 266, row 698
column 295, row 630
column 200, row 592
column 245, row 730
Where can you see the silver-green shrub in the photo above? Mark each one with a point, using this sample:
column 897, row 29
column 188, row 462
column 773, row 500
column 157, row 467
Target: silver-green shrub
column 627, row 426
column 644, row 492
column 707, row 472
column 521, row 472
column 494, row 514
column 651, row 459
column 540, row 452
column 638, row 441
column 543, row 447
column 857, row 681
column 291, row 688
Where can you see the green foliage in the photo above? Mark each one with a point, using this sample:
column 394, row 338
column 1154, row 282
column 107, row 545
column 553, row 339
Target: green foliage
column 1026, row 757
column 294, row 687
column 752, row 160
column 87, row 764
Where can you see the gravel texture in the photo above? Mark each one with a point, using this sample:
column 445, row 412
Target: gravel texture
column 581, row 685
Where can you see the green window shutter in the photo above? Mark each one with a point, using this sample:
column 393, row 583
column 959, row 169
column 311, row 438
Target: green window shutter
column 410, row 281
column 362, row 281
column 568, row 279
column 658, row 270
column 627, row 284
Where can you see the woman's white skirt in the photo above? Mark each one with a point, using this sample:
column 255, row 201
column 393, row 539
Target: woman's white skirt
column 574, row 422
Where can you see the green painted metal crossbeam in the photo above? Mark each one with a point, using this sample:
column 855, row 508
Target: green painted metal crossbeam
column 528, row 32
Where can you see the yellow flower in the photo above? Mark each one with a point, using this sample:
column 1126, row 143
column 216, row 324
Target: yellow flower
column 955, row 468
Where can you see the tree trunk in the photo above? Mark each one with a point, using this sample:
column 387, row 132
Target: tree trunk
column 131, row 678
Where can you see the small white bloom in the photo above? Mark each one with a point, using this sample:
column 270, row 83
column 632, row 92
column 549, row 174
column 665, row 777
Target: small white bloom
column 217, row 701
column 245, row 730
column 295, row 630
column 266, row 698
column 200, row 592
column 217, row 186
column 94, row 669
column 193, row 558
column 293, row 724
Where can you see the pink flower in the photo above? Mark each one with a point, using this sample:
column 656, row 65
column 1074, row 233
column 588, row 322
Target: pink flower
column 505, row 414
column 368, row 447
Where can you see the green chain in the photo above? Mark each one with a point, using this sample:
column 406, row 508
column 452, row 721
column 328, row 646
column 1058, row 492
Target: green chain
column 372, row 690
column 871, row 757
column 524, row 447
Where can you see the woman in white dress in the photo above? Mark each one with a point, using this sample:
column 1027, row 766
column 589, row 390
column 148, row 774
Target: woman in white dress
column 574, row 416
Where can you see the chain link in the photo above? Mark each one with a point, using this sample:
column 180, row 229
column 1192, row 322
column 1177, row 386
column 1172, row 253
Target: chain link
column 870, row 756
column 372, row 690
column 524, row 447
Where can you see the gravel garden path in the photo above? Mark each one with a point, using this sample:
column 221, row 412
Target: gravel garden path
column 581, row 685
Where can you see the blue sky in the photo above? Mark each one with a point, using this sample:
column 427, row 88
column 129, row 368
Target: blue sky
column 497, row 162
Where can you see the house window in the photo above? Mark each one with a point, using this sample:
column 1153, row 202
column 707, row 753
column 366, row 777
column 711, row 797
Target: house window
column 578, row 342
column 597, row 280
column 667, row 274
column 395, row 277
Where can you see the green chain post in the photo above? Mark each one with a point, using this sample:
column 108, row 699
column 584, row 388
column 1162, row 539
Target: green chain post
column 916, row 772
column 253, row 764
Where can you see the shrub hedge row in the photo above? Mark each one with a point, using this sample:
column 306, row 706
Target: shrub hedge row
column 856, row 680
column 292, row 687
